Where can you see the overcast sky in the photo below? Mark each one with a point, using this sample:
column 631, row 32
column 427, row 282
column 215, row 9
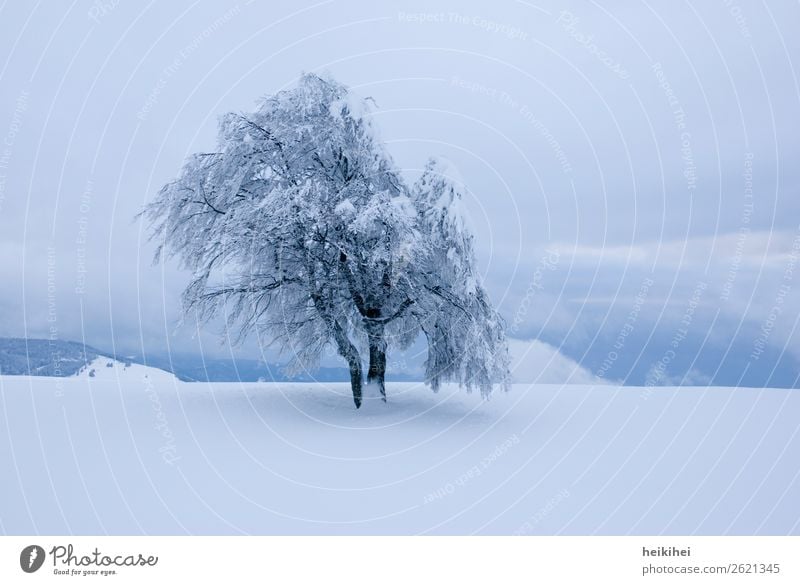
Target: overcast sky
column 632, row 166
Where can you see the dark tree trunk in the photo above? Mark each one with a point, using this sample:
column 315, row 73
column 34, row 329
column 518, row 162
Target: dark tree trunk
column 377, row 359
column 349, row 352
column 355, row 381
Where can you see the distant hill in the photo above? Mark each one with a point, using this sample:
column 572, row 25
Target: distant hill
column 194, row 368
column 43, row 357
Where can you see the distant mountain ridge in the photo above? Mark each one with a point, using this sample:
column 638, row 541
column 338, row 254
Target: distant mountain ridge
column 44, row 357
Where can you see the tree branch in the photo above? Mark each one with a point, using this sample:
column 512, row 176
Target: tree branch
column 437, row 290
column 398, row 313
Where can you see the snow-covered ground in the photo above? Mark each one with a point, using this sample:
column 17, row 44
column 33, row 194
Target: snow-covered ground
column 133, row 450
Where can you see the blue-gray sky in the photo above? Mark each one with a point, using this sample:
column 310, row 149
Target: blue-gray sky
column 632, row 165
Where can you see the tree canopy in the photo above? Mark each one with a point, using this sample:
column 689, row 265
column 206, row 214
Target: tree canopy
column 299, row 227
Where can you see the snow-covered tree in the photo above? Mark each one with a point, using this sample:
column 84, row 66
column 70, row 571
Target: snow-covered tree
column 299, row 228
column 466, row 340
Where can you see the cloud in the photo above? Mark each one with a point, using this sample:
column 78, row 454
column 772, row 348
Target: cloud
column 618, row 212
column 745, row 248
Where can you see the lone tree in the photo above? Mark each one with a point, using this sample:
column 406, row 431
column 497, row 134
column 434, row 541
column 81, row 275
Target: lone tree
column 298, row 227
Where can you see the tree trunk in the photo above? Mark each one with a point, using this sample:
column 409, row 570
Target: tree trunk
column 355, row 381
column 377, row 358
column 349, row 352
